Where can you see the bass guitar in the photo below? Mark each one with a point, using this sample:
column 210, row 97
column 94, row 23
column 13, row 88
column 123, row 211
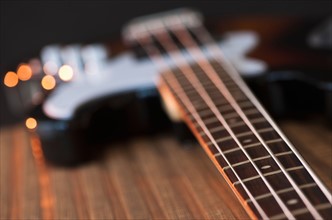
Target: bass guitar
column 200, row 85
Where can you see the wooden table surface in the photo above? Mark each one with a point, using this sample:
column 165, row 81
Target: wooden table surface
column 144, row 178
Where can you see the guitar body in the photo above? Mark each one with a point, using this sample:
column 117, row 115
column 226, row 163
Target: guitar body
column 79, row 131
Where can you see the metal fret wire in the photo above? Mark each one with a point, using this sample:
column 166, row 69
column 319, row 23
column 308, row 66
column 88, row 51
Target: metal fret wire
column 192, row 77
column 212, row 46
column 196, row 52
column 159, row 61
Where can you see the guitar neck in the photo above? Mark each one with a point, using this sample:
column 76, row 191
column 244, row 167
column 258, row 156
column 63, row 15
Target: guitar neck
column 261, row 166
column 270, row 178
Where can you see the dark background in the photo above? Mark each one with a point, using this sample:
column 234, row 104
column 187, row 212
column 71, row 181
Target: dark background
column 26, row 26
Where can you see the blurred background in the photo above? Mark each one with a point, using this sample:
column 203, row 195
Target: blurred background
column 27, row 26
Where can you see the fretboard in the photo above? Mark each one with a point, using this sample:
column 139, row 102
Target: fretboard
column 270, row 178
column 259, row 164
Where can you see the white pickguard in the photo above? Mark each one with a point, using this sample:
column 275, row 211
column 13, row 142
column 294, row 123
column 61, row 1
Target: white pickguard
column 125, row 73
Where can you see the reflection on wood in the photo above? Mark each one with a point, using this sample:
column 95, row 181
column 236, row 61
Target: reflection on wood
column 145, row 178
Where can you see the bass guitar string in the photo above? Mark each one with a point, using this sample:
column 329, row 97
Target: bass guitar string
column 184, row 36
column 169, row 45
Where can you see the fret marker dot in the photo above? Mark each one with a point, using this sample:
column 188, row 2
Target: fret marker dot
column 292, row 201
column 265, row 167
column 247, row 141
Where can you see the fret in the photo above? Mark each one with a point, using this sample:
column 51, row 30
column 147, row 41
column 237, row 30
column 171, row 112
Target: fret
column 258, row 120
column 216, row 95
column 214, row 92
column 253, row 115
column 257, row 159
column 210, row 120
column 295, row 168
column 224, row 108
column 254, row 177
column 289, row 160
column 198, row 104
column 233, row 158
column 257, row 151
column 279, row 181
column 244, row 134
column 218, row 102
column 278, row 146
column 301, row 211
column 256, row 187
column 266, row 175
column 254, row 150
column 231, row 86
column 274, row 141
column 201, row 74
column 291, row 199
column 236, row 124
column 206, row 83
column 252, row 169
column 283, row 191
column 261, row 131
column 252, row 145
column 205, row 113
column 246, row 170
column 238, row 95
column 214, row 126
column 300, row 176
column 210, row 125
column 271, row 135
column 221, row 140
column 245, row 162
column 325, row 210
column 190, row 88
column 283, row 153
column 251, row 111
column 272, row 208
column 217, row 129
column 240, row 129
column 230, row 115
column 217, row 133
column 225, row 145
column 239, row 149
column 246, row 104
column 314, row 194
column 258, row 177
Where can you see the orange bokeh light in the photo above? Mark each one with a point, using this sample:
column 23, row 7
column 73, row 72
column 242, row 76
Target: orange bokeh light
column 66, row 73
column 31, row 123
column 48, row 82
column 24, row 72
column 11, row 79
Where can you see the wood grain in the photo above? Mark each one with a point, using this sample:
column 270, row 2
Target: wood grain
column 144, row 178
